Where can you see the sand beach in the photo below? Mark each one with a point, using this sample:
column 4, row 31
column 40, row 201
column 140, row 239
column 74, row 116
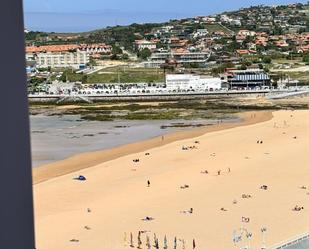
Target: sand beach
column 202, row 184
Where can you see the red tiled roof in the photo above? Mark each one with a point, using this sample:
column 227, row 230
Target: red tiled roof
column 63, row 48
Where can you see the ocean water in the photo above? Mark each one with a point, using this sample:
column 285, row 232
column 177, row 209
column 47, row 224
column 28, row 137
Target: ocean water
column 54, row 138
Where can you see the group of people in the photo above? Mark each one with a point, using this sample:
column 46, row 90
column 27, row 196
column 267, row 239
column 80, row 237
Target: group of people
column 189, row 147
column 218, row 172
column 245, row 196
column 298, row 208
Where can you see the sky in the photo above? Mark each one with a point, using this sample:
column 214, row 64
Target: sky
column 85, row 15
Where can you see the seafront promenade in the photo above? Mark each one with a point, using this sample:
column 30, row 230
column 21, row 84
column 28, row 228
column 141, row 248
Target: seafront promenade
column 160, row 95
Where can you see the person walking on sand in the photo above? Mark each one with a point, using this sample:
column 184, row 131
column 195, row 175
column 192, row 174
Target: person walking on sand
column 219, row 172
column 148, row 183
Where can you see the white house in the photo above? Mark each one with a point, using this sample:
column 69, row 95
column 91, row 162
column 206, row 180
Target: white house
column 142, row 44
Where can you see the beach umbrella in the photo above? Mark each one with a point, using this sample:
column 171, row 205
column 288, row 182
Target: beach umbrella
column 193, row 243
column 165, row 242
column 125, row 239
column 157, row 243
column 154, row 239
column 175, row 243
column 183, row 244
column 139, row 241
column 148, row 242
column 131, row 240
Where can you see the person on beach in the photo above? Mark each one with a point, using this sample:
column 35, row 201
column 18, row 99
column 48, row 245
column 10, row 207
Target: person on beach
column 219, row 172
column 148, row 183
column 229, row 170
column 148, row 218
column 264, row 187
column 190, row 211
column 184, row 186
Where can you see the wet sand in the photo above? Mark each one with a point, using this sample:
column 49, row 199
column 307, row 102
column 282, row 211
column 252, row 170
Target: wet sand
column 89, row 159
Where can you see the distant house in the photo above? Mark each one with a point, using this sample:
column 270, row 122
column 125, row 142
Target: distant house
column 240, row 52
column 245, row 32
column 281, row 44
column 142, row 44
column 303, row 49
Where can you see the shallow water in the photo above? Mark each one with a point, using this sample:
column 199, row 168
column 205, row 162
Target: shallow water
column 55, row 138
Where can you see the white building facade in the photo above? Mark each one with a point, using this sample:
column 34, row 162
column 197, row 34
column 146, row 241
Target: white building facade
column 192, row 82
column 60, row 60
column 142, row 44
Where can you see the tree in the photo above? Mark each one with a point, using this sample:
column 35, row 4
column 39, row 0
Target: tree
column 116, row 50
column 125, row 57
column 222, row 68
column 266, row 60
column 306, row 57
column 84, row 79
column 144, row 53
column 243, row 67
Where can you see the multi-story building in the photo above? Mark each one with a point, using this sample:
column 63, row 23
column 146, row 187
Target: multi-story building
column 71, row 55
column 59, row 59
column 185, row 57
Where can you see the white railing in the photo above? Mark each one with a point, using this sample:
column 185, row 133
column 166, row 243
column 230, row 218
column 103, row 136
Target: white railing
column 290, row 242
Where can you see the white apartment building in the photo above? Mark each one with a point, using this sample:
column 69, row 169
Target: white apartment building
column 192, row 82
column 157, row 59
column 60, row 59
column 200, row 33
